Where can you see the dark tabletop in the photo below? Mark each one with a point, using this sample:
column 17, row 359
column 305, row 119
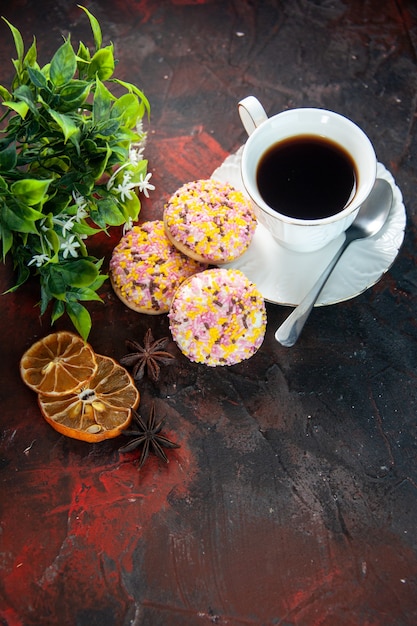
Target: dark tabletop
column 293, row 497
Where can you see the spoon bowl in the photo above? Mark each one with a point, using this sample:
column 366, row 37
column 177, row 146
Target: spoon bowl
column 372, row 216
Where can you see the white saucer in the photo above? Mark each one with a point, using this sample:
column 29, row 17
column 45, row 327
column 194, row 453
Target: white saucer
column 284, row 276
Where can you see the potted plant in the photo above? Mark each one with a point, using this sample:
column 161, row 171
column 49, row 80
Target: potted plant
column 71, row 162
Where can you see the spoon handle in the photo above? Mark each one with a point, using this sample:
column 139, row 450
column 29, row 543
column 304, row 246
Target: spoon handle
column 289, row 331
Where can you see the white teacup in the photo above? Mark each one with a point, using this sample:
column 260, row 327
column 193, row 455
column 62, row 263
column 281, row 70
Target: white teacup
column 306, row 232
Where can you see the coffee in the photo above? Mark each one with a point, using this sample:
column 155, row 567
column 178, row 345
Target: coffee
column 306, row 177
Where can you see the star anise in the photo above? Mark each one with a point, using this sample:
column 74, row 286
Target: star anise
column 148, row 435
column 148, row 356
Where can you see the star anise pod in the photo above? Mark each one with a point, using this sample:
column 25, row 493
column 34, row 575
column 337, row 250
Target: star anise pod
column 149, row 356
column 149, row 435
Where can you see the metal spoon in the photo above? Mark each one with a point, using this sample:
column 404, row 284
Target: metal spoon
column 371, row 217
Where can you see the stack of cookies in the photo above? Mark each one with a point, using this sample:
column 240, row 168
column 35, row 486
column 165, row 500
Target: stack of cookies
column 217, row 316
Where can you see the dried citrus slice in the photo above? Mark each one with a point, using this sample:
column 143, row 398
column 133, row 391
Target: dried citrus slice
column 58, row 363
column 99, row 409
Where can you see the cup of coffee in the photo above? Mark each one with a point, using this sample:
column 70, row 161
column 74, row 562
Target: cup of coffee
column 307, row 172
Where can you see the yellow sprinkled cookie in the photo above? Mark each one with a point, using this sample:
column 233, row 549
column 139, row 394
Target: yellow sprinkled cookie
column 146, row 268
column 218, row 317
column 210, row 221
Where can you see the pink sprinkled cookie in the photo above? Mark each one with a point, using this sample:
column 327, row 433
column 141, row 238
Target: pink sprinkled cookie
column 146, row 269
column 210, row 221
column 218, row 317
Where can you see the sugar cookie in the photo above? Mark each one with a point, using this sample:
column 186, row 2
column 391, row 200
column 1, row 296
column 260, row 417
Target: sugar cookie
column 218, row 317
column 210, row 221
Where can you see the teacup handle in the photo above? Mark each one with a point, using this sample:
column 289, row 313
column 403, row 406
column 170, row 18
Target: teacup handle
column 251, row 113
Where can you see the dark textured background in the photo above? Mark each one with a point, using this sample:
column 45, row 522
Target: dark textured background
column 292, row 499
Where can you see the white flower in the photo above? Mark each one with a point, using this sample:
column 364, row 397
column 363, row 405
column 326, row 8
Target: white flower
column 39, row 260
column 125, row 187
column 125, row 192
column 67, row 226
column 144, row 184
column 79, row 200
column 110, row 182
column 139, row 126
column 81, row 214
column 69, row 246
column 128, row 225
column 136, row 154
column 65, row 222
column 81, row 203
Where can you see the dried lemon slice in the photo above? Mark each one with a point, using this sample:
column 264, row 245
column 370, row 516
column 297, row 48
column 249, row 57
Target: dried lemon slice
column 59, row 363
column 99, row 409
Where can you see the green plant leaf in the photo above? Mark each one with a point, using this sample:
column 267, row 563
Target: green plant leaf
column 18, row 67
column 106, row 128
column 45, row 70
column 80, row 317
column 18, row 41
column 57, row 166
column 78, row 272
column 52, row 240
column 4, row 93
column 133, row 89
column 22, row 276
column 30, row 191
column 99, row 165
column 24, row 94
column 101, row 278
column 83, row 54
column 101, row 103
column 63, row 64
column 83, row 60
column 74, row 140
column 68, row 127
column 73, row 95
column 37, row 78
column 132, row 207
column 8, row 160
column 31, row 55
column 102, row 64
column 20, row 107
column 85, row 294
column 45, row 296
column 6, row 238
column 139, row 169
column 57, row 310
column 108, row 212
column 95, row 27
column 56, row 286
column 127, row 110
column 85, row 229
column 20, row 218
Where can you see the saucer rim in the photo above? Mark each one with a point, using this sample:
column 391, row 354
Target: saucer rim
column 395, row 228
